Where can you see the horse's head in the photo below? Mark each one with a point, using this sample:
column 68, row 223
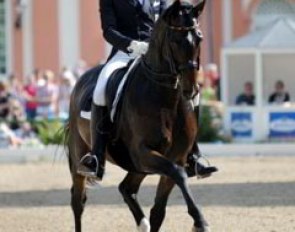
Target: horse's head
column 181, row 38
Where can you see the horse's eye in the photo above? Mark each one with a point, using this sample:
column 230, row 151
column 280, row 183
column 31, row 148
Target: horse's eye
column 199, row 34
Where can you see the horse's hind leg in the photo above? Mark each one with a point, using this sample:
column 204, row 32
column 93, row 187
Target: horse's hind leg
column 158, row 211
column 129, row 188
column 77, row 149
column 78, row 200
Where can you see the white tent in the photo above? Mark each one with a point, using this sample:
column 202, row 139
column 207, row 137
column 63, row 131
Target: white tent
column 262, row 57
column 277, row 34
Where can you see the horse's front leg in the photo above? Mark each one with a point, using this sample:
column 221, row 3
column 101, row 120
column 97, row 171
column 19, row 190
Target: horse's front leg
column 129, row 188
column 153, row 162
column 158, row 211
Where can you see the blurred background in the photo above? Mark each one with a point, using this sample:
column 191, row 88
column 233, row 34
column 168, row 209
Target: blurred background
column 247, row 120
column 247, row 74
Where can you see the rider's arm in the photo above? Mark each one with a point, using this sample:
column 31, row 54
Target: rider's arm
column 109, row 27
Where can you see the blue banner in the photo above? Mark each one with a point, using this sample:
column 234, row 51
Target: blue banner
column 282, row 124
column 241, row 124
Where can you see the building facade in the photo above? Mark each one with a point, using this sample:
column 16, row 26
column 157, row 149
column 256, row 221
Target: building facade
column 48, row 34
column 51, row 34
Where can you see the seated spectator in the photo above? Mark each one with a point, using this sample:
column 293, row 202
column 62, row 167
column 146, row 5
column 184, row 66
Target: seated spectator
column 280, row 96
column 26, row 136
column 16, row 114
column 7, row 137
column 4, row 101
column 247, row 97
column 22, row 137
column 26, row 131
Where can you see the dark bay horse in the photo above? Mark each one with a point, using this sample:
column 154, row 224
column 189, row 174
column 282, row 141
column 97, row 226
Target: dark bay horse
column 156, row 127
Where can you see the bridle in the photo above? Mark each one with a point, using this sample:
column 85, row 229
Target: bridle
column 191, row 63
column 180, row 69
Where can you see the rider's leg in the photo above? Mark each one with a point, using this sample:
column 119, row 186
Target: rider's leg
column 194, row 167
column 92, row 164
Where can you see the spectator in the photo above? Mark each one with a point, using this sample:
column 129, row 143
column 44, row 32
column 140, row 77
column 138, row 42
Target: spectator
column 16, row 114
column 16, row 88
column 280, row 96
column 8, row 138
column 80, row 68
column 247, row 97
column 47, row 95
column 4, row 101
column 66, row 86
column 38, row 75
column 23, row 136
column 211, row 72
column 208, row 92
column 30, row 95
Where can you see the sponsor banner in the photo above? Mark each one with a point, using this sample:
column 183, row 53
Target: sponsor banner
column 242, row 124
column 282, row 124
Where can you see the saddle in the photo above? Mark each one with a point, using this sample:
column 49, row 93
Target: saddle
column 115, row 90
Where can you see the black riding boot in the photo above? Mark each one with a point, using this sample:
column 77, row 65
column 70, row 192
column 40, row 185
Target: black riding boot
column 92, row 164
column 194, row 167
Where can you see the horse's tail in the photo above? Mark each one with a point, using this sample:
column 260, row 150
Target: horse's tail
column 70, row 129
column 67, row 146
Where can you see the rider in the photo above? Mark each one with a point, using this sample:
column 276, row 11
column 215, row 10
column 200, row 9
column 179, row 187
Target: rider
column 127, row 26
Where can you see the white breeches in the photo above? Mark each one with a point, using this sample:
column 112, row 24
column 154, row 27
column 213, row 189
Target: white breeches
column 119, row 60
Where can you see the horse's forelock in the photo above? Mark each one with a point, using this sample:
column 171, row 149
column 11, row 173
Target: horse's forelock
column 159, row 38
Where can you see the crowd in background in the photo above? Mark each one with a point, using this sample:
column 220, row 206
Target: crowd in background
column 43, row 95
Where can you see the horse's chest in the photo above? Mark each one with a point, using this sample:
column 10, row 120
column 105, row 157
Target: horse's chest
column 158, row 134
column 167, row 125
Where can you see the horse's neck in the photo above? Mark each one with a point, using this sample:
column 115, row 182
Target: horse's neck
column 157, row 63
column 163, row 85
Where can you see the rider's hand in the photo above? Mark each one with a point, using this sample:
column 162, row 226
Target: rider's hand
column 137, row 48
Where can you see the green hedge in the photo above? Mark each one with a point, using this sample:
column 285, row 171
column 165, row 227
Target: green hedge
column 207, row 131
column 49, row 131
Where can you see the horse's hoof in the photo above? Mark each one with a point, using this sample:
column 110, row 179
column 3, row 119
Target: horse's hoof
column 144, row 226
column 198, row 229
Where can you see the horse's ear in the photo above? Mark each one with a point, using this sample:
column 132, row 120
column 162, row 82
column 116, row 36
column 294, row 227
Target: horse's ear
column 173, row 9
column 176, row 3
column 198, row 9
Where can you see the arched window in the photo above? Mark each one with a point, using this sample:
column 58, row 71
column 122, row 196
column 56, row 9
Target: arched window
column 270, row 10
